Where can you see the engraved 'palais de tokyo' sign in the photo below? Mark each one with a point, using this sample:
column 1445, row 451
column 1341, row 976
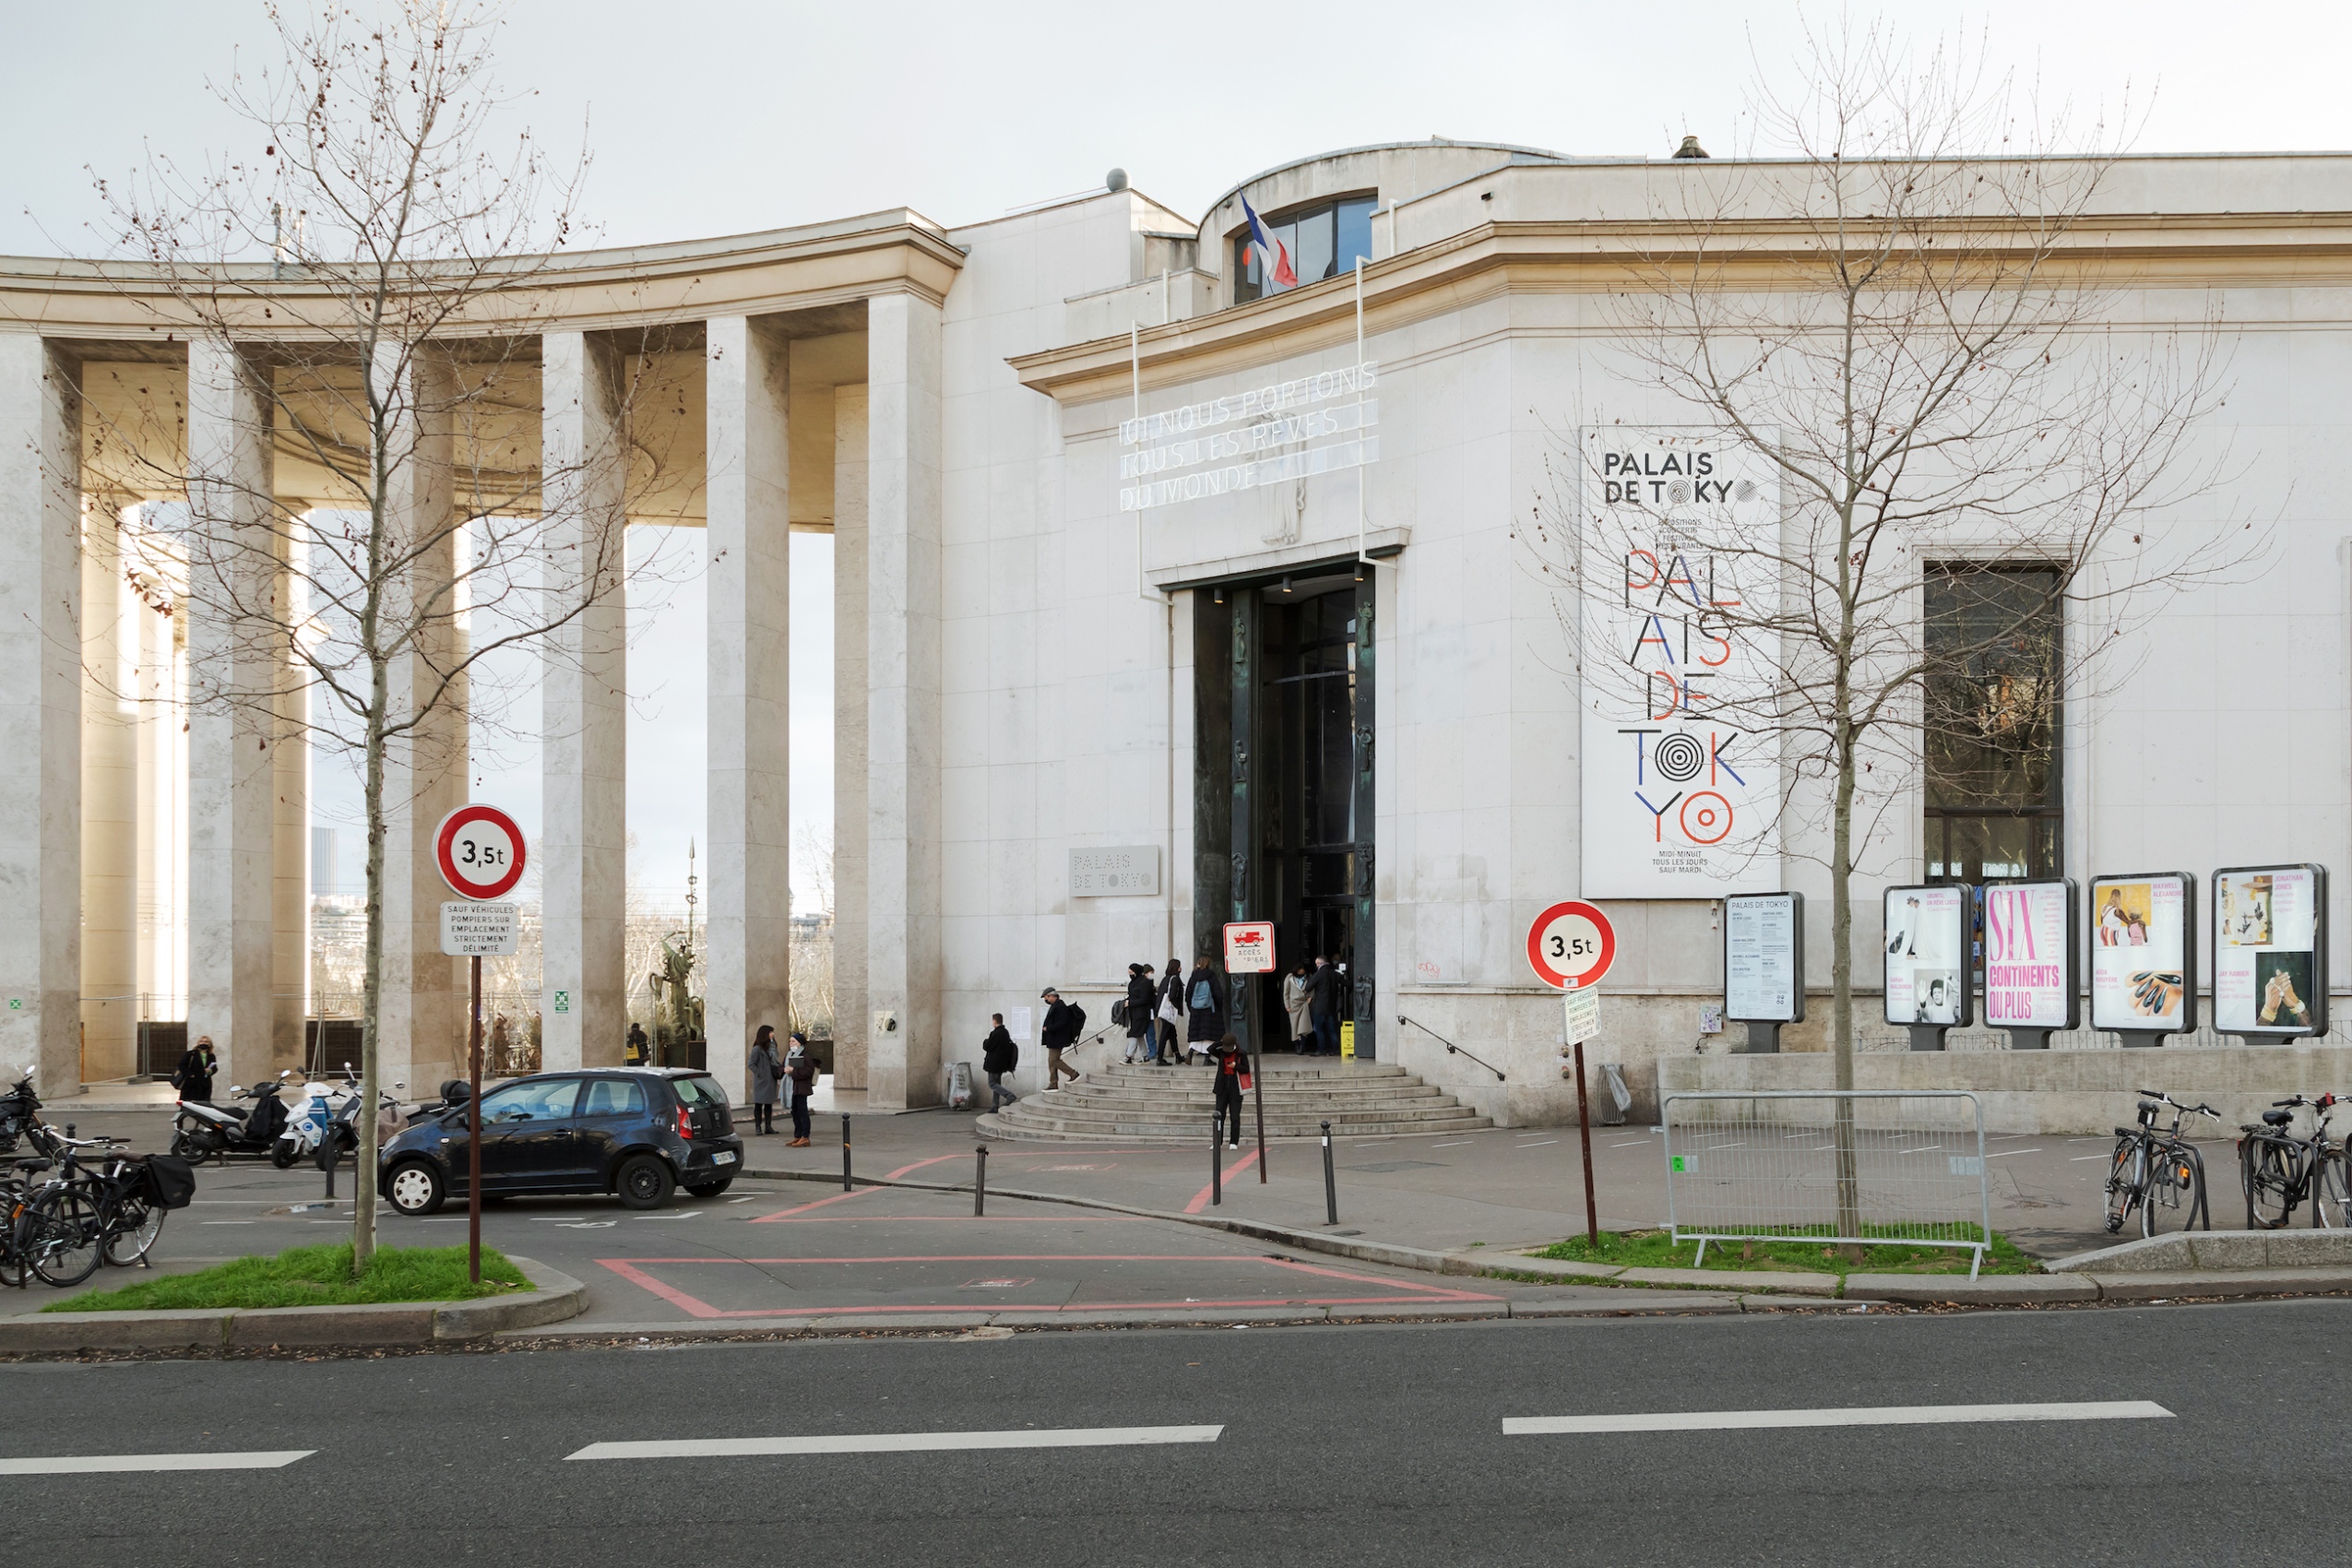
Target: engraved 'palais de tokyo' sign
column 1129, row 871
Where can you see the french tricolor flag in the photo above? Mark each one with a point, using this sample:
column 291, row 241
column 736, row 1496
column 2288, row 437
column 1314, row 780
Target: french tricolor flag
column 1274, row 258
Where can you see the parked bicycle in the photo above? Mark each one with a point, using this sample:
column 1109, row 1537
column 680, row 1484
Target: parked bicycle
column 2281, row 1169
column 2156, row 1169
column 98, row 1205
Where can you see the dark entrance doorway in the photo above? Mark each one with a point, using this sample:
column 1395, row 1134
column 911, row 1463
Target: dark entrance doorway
column 1285, row 829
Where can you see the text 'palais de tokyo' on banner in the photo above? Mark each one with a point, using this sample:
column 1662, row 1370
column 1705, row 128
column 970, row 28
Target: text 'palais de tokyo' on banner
column 1680, row 528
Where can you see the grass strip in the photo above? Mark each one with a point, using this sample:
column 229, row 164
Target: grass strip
column 312, row 1277
column 1794, row 1254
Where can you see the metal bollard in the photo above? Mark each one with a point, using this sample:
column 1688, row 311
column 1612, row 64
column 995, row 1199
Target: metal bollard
column 979, row 1182
column 1330, row 1181
column 1215, row 1165
column 845, row 1155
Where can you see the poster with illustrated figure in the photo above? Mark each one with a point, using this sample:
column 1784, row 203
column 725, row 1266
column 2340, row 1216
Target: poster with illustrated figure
column 1678, row 664
column 2143, row 977
column 1927, row 937
column 2269, row 947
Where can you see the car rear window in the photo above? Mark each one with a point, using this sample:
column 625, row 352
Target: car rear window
column 613, row 1096
column 699, row 1091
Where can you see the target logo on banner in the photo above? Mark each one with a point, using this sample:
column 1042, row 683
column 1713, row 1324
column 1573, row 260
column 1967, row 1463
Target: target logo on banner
column 1680, row 757
column 1571, row 945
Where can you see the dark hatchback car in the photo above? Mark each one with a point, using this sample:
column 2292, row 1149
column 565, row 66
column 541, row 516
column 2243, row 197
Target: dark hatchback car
column 636, row 1131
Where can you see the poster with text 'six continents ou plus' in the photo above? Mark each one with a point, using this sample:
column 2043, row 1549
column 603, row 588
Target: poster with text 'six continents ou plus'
column 1680, row 530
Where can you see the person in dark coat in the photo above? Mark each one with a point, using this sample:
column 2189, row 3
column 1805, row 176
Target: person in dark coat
column 1203, row 1007
column 999, row 1056
column 799, row 1066
column 766, row 1071
column 1230, row 1064
column 1170, row 1009
column 1323, row 1005
column 1143, row 1030
column 1063, row 1022
column 193, row 1075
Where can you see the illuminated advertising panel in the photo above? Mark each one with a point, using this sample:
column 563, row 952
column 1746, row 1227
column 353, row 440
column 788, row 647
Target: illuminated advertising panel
column 2270, row 950
column 1927, row 956
column 2029, row 955
column 1764, row 958
column 2143, row 973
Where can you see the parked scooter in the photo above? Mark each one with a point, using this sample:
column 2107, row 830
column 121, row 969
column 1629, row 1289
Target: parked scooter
column 342, row 1134
column 307, row 1123
column 201, row 1131
column 19, row 1112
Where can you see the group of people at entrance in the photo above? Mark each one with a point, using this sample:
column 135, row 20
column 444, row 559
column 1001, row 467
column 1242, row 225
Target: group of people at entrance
column 773, row 1076
column 1313, row 997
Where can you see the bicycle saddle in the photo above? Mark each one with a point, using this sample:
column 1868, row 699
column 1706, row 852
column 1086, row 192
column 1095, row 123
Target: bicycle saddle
column 2278, row 1118
column 32, row 1163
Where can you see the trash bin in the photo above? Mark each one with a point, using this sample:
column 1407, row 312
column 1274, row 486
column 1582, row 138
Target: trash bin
column 1615, row 1097
column 959, row 1086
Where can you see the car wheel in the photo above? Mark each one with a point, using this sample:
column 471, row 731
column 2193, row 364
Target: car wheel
column 709, row 1189
column 415, row 1189
column 645, row 1181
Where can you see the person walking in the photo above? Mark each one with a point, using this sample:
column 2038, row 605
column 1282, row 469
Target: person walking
column 767, row 1074
column 1233, row 1070
column 1063, row 1021
column 1143, row 998
column 799, row 1066
column 1170, row 1014
column 193, row 1077
column 1323, row 1005
column 1297, row 989
column 1203, row 1007
column 999, row 1056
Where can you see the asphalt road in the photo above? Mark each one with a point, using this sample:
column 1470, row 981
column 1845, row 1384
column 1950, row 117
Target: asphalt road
column 1348, row 1445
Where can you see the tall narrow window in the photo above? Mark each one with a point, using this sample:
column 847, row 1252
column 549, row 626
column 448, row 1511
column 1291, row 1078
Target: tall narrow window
column 1995, row 796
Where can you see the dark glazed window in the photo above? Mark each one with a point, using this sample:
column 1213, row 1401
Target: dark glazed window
column 1324, row 241
column 1995, row 794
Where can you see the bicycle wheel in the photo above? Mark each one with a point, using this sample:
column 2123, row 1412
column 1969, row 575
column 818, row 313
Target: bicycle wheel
column 61, row 1237
column 2331, row 1194
column 2122, row 1184
column 132, row 1226
column 2271, row 1172
column 2157, row 1190
column 14, row 1273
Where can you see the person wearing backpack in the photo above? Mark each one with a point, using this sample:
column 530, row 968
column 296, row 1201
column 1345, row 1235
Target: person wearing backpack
column 193, row 1075
column 1203, row 1007
column 999, row 1056
column 1170, row 1015
column 1232, row 1069
column 1136, row 1012
column 1064, row 1022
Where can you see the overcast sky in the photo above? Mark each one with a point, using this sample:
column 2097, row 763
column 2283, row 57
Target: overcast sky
column 710, row 118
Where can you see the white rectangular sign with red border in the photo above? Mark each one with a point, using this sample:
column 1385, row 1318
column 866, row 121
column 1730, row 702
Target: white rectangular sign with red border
column 1249, row 947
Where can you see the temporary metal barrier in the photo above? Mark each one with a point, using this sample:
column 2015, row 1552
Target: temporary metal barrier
column 1854, row 1167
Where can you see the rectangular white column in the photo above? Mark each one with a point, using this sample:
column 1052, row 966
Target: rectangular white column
column 748, row 477
column 420, row 1022
column 584, row 707
column 289, row 845
column 851, row 1015
column 40, row 717
column 903, row 675
column 234, row 678
column 110, row 802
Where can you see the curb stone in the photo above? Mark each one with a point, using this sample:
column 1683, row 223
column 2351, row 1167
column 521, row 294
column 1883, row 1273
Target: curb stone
column 558, row 1295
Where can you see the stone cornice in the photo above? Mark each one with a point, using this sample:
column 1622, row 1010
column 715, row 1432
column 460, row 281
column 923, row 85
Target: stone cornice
column 794, row 269
column 1595, row 257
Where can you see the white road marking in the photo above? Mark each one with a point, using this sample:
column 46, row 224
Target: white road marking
column 1862, row 1415
column 94, row 1464
column 1923, row 1149
column 2076, row 1159
column 1539, row 1144
column 1998, row 1153
column 228, row 1222
column 1455, row 1144
column 896, row 1442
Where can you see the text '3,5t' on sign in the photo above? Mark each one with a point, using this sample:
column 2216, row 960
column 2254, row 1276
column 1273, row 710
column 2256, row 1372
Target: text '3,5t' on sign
column 480, row 850
column 1571, row 945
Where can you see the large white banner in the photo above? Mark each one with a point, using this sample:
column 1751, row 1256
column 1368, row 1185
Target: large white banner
column 1682, row 785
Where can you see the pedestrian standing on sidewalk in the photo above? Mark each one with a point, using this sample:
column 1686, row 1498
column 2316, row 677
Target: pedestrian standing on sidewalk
column 1170, row 1014
column 1233, row 1077
column 1203, row 1007
column 193, row 1075
column 767, row 1074
column 799, row 1066
column 1297, row 988
column 1064, row 1022
column 1143, row 997
column 999, row 1056
column 1322, row 1003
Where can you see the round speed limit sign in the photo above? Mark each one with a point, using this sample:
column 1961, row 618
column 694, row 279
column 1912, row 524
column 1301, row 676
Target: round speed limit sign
column 481, row 852
column 1571, row 945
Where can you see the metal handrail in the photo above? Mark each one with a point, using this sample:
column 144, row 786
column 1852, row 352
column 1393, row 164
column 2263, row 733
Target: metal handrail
column 1451, row 1049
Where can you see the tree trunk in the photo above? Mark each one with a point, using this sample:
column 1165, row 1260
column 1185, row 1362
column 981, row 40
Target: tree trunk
column 372, row 990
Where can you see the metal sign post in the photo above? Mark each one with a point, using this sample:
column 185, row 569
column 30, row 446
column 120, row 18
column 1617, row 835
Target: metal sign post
column 1571, row 945
column 480, row 853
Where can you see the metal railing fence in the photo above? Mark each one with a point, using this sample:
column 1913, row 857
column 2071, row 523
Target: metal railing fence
column 1843, row 1168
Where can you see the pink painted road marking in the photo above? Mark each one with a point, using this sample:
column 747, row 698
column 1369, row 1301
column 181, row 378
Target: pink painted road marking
column 891, row 1176
column 1200, row 1199
column 695, row 1307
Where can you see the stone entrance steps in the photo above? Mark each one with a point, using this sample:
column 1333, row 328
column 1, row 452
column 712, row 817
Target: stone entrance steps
column 1172, row 1105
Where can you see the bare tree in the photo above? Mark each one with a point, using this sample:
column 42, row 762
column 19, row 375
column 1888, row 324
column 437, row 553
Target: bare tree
column 389, row 345
column 1907, row 320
